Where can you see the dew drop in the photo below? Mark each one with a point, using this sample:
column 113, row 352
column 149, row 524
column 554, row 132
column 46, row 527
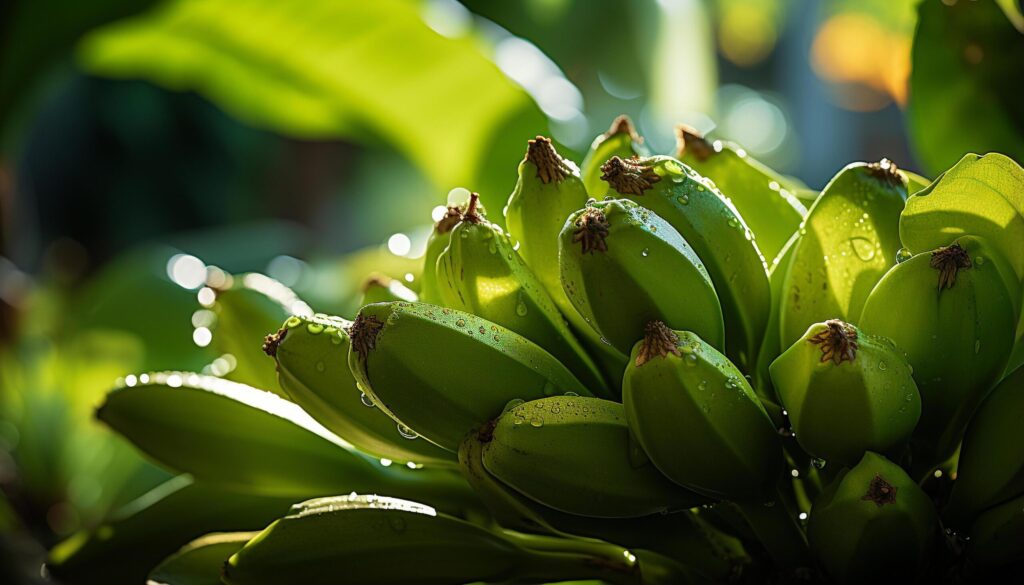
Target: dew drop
column 683, row 199
column 320, row 366
column 536, row 422
column 570, row 393
column 979, row 260
column 818, row 463
column 406, row 432
column 863, row 248
column 902, row 255
column 521, row 309
column 645, row 252
column 293, row 322
column 366, row 400
column 512, row 404
column 460, row 323
column 882, row 366
column 691, row 360
column 314, row 328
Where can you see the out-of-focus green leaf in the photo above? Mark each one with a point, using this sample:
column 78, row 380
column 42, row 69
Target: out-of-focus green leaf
column 968, row 63
column 329, row 68
column 125, row 547
column 200, row 561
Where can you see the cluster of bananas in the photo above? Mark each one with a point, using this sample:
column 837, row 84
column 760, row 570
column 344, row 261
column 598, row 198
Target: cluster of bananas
column 669, row 369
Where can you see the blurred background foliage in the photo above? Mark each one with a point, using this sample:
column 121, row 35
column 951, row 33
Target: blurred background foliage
column 144, row 144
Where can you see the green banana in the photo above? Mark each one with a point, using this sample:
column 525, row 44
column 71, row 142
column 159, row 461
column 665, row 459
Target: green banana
column 873, row 524
column 480, row 272
column 620, row 140
column 374, row 540
column 847, row 243
column 991, row 465
column 548, row 190
column 573, row 453
column 200, row 561
column 697, row 418
column 442, row 372
column 436, row 243
column 381, row 288
column 770, row 348
column 762, row 196
column 312, row 367
column 255, row 441
column 846, row 392
column 981, row 196
column 246, row 309
column 715, row 230
column 624, row 266
column 951, row 312
column 997, row 539
column 126, row 545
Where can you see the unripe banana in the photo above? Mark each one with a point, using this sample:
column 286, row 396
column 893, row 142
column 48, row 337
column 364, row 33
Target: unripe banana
column 574, row 454
column 620, row 140
column 623, row 266
column 981, row 196
column 846, row 392
column 848, row 241
column 312, row 367
column 873, row 524
column 997, row 539
column 991, row 465
column 480, row 272
column 436, row 243
column 715, row 230
column 763, row 197
column 373, row 540
column 381, row 288
column 549, row 189
column 770, row 348
column 442, row 372
column 697, row 418
column 951, row 312
column 246, row 309
column 200, row 561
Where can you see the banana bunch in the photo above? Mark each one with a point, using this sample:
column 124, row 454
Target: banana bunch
column 621, row 388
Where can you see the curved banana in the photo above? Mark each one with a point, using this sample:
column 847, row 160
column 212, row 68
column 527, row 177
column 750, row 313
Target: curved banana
column 373, row 540
column 312, row 367
column 436, row 243
column 846, row 393
column 697, row 418
column 951, row 312
column 624, row 266
column 996, row 540
column 442, row 372
column 873, row 524
column 763, row 197
column 480, row 272
column 848, row 241
column 620, row 140
column 991, row 465
column 770, row 348
column 715, row 230
column 574, row 454
column 381, row 288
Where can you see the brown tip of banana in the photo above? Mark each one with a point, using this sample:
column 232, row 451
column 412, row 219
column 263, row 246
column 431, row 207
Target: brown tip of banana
column 659, row 341
column 363, row 333
column 689, row 139
column 838, row 342
column 451, row 218
column 886, row 171
column 880, row 492
column 376, row 279
column 272, row 341
column 623, row 125
column 628, row 177
column 591, row 231
column 949, row 261
column 473, row 213
column 551, row 167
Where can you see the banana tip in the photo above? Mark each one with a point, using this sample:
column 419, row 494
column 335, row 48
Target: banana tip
column 591, row 231
column 272, row 341
column 949, row 261
column 838, row 342
column 629, row 177
column 363, row 333
column 622, row 124
column 659, row 341
column 551, row 167
column 689, row 139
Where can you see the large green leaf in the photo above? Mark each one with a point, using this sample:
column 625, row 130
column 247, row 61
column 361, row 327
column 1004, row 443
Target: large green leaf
column 331, row 68
column 968, row 62
column 200, row 562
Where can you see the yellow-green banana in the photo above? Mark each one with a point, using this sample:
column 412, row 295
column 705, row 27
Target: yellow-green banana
column 620, row 140
column 762, row 196
column 951, row 311
column 623, row 266
column 574, row 454
column 443, row 372
column 996, row 540
column 480, row 272
column 991, row 465
column 873, row 524
column 381, row 288
column 697, row 418
column 846, row 393
column 436, row 243
column 770, row 347
column 312, row 367
column 373, row 540
column 715, row 230
column 848, row 241
column 200, row 561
